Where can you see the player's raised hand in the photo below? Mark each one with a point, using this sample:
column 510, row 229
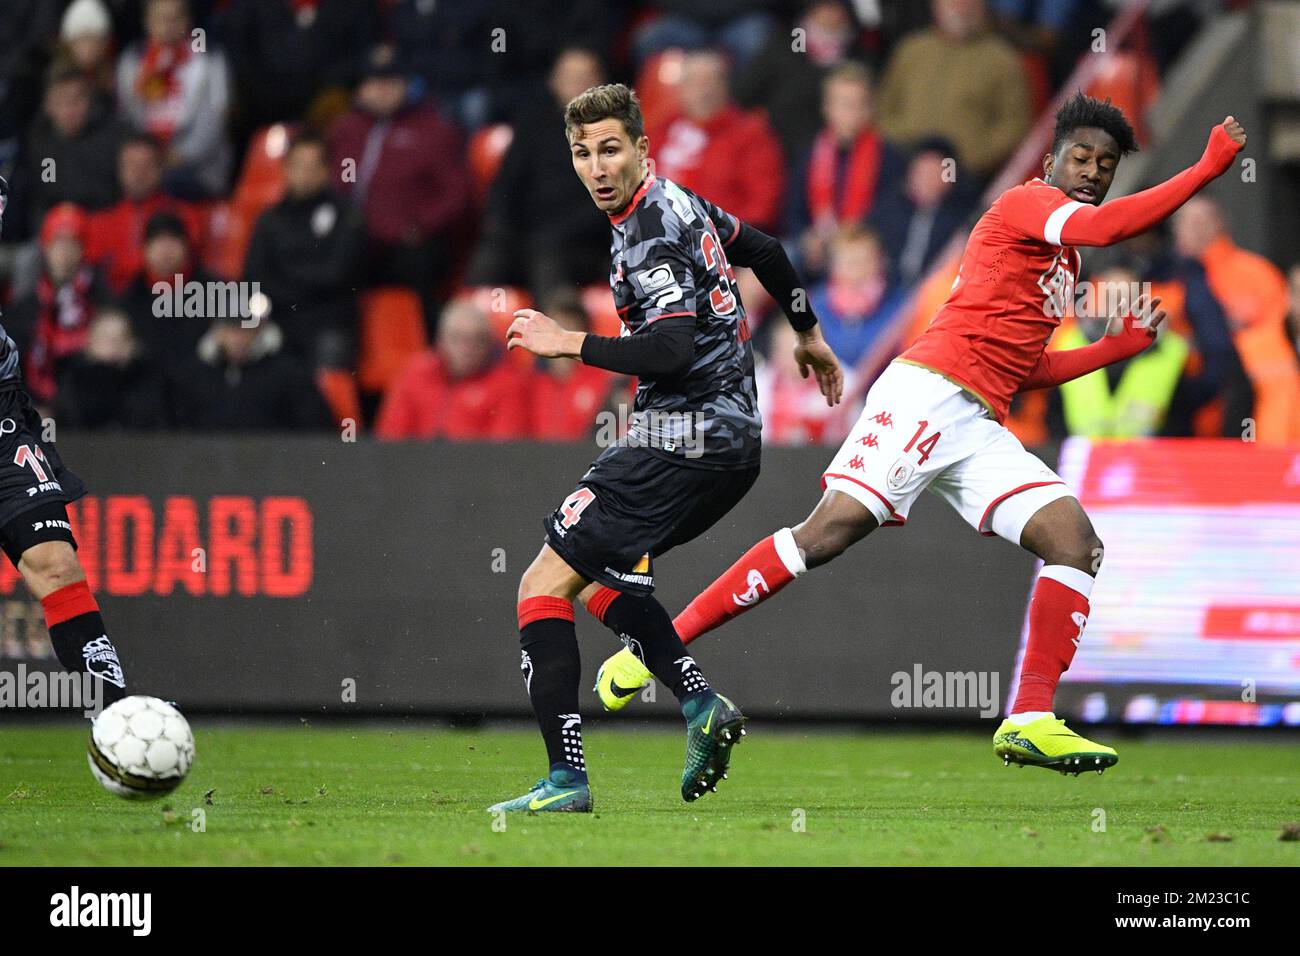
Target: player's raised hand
column 542, row 335
column 1235, row 131
column 813, row 355
column 1138, row 324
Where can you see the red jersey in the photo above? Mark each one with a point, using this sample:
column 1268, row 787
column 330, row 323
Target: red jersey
column 1015, row 283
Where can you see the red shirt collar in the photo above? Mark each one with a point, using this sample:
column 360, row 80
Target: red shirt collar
column 636, row 198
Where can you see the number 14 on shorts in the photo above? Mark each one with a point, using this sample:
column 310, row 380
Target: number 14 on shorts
column 925, row 445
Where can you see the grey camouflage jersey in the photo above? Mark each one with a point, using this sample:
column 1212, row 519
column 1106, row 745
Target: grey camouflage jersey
column 669, row 260
column 8, row 351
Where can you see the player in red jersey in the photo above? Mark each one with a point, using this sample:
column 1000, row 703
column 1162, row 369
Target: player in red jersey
column 934, row 418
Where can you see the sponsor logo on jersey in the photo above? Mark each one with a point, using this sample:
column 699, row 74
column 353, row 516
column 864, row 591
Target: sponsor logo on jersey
column 660, row 284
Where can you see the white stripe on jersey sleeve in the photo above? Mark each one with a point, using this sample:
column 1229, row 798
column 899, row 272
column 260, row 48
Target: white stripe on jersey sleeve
column 1056, row 221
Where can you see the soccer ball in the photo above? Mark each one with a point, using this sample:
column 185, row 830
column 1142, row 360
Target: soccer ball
column 140, row 748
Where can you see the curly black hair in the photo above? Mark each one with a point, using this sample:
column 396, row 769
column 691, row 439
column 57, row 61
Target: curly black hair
column 1080, row 110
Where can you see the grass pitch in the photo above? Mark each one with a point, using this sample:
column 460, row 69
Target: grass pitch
column 411, row 793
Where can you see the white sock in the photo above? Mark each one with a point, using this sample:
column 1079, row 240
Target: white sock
column 788, row 552
column 1028, row 717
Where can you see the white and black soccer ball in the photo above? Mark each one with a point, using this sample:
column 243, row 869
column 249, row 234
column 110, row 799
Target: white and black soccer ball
column 140, row 748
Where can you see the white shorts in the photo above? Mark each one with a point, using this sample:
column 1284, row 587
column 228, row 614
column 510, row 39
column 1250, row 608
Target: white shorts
column 919, row 430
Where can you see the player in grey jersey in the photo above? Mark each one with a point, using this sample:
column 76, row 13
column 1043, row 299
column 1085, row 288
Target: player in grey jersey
column 692, row 453
column 35, row 532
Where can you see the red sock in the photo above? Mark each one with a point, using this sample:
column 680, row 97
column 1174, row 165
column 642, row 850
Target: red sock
column 600, row 602
column 764, row 569
column 1058, row 612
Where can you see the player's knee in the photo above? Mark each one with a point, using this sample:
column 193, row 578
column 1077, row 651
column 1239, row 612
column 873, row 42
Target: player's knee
column 49, row 566
column 536, row 582
column 529, row 586
column 824, row 538
column 1083, row 551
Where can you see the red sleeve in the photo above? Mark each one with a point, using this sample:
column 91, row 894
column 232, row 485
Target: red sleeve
column 1054, row 368
column 1129, row 216
column 1051, row 216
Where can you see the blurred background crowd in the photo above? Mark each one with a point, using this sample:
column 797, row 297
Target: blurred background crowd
column 394, row 176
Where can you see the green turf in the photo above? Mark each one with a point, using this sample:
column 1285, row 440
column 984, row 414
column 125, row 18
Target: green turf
column 306, row 794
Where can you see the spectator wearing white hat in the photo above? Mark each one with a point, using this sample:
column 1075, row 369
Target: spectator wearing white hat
column 86, row 42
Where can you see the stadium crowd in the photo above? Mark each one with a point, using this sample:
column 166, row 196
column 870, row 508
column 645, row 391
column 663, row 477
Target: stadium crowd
column 393, row 176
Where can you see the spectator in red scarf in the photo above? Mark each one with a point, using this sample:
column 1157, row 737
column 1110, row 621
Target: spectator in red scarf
column 849, row 166
column 786, row 78
column 567, row 394
column 51, row 325
column 174, row 88
column 86, row 42
column 713, row 148
column 857, row 302
column 405, row 171
column 116, row 235
column 463, row 389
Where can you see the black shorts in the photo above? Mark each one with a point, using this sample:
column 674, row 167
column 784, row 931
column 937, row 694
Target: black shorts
column 31, row 472
column 47, row 521
column 633, row 506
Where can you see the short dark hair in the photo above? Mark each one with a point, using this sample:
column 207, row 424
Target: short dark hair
column 1080, row 110
column 611, row 101
column 165, row 223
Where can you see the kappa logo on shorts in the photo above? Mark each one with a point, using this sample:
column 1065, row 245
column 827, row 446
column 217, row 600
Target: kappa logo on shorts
column 899, row 473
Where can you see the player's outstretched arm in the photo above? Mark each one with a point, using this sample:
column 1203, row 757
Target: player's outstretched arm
column 663, row 350
column 772, row 267
column 1128, row 216
column 1135, row 333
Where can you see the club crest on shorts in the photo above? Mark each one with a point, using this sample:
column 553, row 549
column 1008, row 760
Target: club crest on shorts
column 899, row 473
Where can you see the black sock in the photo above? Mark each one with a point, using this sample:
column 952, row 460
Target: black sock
column 552, row 673
column 81, row 645
column 647, row 628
